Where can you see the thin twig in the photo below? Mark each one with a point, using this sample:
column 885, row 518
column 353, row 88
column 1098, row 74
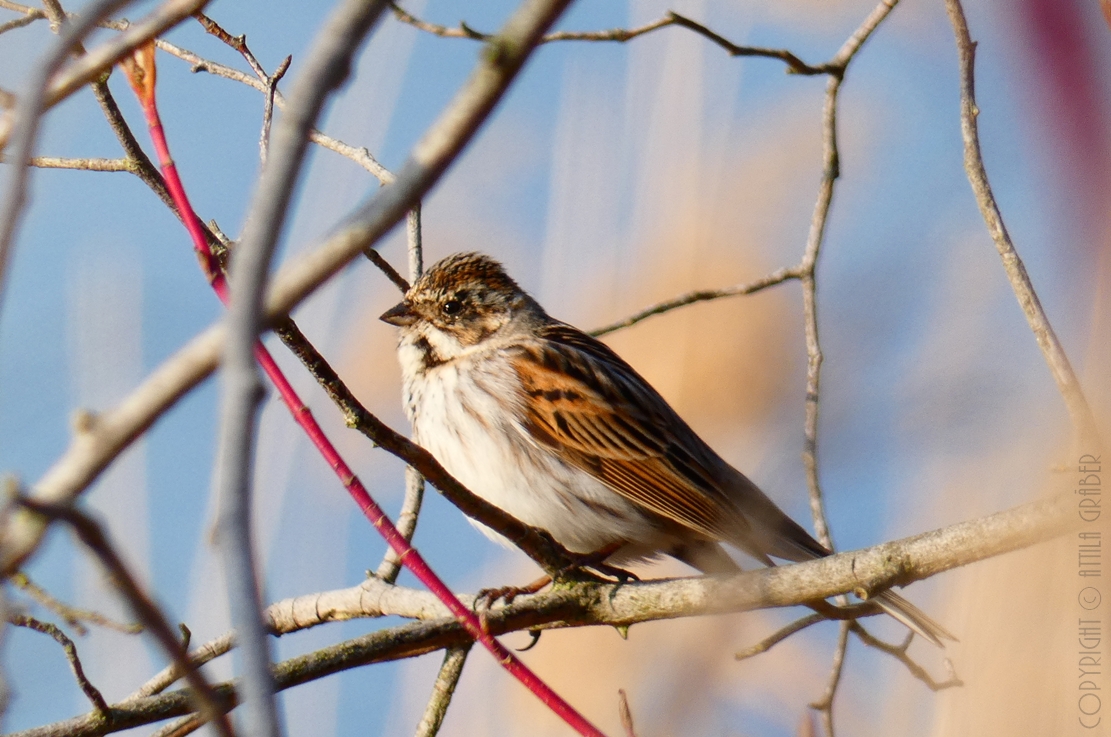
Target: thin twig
column 146, row 611
column 23, row 123
column 46, row 628
column 359, row 155
column 180, row 727
column 1083, row 420
column 53, row 162
column 270, row 81
column 442, row 691
column 98, row 61
column 391, row 273
column 238, row 43
column 794, row 64
column 73, row 616
column 626, row 713
column 621, row 35
column 268, row 107
column 704, row 295
column 831, row 165
column 808, row 276
column 414, row 482
column 390, row 566
column 899, row 652
column 824, row 706
column 21, row 22
column 772, row 640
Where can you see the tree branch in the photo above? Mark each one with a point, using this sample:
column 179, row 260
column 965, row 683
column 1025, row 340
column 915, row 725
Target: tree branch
column 893, row 563
column 212, row 708
column 100, row 60
column 703, row 295
column 91, row 692
column 1083, row 420
column 779, row 636
column 621, row 35
column 899, row 652
column 442, row 690
column 73, row 616
column 326, row 68
column 23, row 121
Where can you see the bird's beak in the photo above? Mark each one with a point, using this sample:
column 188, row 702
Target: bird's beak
column 400, row 315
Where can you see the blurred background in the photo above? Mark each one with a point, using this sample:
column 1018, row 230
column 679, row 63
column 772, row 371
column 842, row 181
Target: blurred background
column 612, row 177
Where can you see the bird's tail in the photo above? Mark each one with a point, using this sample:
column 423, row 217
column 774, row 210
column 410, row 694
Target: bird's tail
column 913, row 617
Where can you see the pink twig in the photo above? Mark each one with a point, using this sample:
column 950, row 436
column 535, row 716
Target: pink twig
column 141, row 73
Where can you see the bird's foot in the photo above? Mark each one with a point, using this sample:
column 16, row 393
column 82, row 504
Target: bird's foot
column 487, row 598
column 582, row 566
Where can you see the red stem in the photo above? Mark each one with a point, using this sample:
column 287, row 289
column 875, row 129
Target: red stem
column 406, row 553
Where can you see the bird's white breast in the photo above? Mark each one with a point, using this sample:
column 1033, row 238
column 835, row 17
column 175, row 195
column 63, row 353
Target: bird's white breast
column 467, row 412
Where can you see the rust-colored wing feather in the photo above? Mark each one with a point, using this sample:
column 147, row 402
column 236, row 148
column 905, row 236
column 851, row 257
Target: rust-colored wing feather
column 592, row 409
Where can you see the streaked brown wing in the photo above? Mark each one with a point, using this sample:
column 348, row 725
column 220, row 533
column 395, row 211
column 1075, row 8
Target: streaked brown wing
column 593, row 410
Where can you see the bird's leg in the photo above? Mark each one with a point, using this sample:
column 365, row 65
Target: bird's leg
column 595, row 561
column 486, row 598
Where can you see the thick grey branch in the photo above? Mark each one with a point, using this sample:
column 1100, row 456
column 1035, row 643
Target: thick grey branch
column 327, row 66
column 894, row 563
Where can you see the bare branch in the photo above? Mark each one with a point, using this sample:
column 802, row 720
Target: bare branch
column 899, row 652
column 73, row 616
column 1083, row 421
column 26, row 20
column 621, row 35
column 442, row 691
column 824, row 706
column 626, row 713
column 625, row 604
column 99, row 439
column 794, row 64
column 704, row 295
column 327, row 66
column 831, row 165
column 779, row 636
column 391, row 273
column 145, row 610
column 268, row 107
column 22, row 123
column 99, row 704
column 53, row 162
column 239, row 43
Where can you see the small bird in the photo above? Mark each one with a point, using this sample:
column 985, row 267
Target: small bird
column 550, row 425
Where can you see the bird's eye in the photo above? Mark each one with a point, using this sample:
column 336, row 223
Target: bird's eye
column 452, row 307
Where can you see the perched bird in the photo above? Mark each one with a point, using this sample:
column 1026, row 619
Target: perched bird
column 552, row 426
